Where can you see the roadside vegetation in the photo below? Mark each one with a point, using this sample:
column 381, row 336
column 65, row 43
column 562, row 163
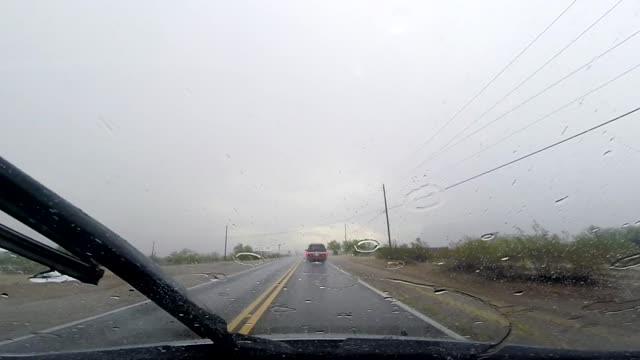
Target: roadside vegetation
column 538, row 255
column 14, row 264
column 187, row 256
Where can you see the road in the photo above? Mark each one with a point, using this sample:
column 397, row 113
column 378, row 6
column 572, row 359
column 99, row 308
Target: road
column 286, row 296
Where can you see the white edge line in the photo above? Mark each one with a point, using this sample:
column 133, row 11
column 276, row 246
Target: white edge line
column 76, row 322
column 410, row 310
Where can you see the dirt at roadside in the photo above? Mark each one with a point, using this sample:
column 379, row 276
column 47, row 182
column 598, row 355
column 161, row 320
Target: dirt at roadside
column 29, row 308
column 599, row 316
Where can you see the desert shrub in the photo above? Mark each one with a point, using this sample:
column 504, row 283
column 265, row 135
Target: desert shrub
column 414, row 252
column 349, row 248
column 187, row 256
column 543, row 256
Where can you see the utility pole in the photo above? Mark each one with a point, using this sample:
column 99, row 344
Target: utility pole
column 386, row 211
column 153, row 249
column 226, row 228
column 345, row 232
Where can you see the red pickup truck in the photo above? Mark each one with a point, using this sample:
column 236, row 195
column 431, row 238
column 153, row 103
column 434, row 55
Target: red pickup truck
column 316, row 252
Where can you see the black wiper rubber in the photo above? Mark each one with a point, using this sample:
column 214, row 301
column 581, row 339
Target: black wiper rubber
column 55, row 259
column 41, row 209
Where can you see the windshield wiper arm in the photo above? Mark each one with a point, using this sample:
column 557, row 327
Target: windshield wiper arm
column 55, row 259
column 41, row 209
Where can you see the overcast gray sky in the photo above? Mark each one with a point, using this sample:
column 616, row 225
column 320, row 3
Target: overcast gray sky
column 169, row 120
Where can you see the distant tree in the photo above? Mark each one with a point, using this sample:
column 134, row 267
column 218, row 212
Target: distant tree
column 349, row 247
column 334, row 246
column 239, row 248
column 419, row 243
column 184, row 256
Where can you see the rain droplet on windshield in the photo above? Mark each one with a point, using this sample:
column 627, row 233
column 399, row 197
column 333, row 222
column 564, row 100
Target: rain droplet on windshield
column 394, row 265
column 562, row 199
column 439, row 291
column 518, row 293
column 505, row 258
column 248, row 259
column 607, row 152
column 4, row 295
column 281, row 309
column 625, row 225
column 424, row 197
column 488, row 236
column 367, row 246
column 626, row 262
column 115, row 297
column 308, row 301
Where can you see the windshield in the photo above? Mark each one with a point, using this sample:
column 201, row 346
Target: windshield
column 453, row 170
column 316, row 247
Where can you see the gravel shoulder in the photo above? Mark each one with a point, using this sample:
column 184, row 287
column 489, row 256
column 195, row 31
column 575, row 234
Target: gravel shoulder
column 30, row 308
column 531, row 313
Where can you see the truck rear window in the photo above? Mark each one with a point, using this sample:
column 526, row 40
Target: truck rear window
column 317, row 247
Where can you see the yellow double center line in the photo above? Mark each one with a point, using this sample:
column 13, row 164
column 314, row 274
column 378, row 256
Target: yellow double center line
column 270, row 295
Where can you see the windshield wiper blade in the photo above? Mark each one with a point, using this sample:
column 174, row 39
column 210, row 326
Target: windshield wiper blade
column 41, row 209
column 64, row 263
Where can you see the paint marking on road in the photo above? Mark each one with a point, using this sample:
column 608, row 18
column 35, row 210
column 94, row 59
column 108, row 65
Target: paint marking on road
column 409, row 309
column 76, row 322
column 246, row 329
column 247, row 311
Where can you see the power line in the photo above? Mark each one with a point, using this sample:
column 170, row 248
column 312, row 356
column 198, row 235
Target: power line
column 549, row 87
column 534, row 73
column 455, row 115
column 543, row 149
column 529, row 99
column 359, row 226
column 551, row 113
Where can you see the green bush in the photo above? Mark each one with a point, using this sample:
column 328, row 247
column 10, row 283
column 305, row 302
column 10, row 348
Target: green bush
column 349, row 248
column 415, row 252
column 239, row 248
column 539, row 255
column 542, row 255
column 334, row 247
column 187, row 256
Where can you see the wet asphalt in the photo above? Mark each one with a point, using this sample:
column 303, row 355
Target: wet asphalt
column 317, row 300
